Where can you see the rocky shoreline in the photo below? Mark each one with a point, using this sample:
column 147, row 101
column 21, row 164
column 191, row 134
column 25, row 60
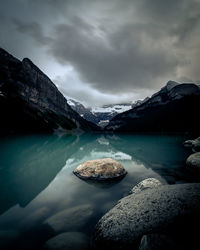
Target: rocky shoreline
column 158, row 210
column 153, row 216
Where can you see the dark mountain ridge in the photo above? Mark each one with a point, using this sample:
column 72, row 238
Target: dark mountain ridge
column 30, row 102
column 174, row 108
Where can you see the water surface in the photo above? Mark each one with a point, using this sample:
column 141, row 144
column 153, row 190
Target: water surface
column 37, row 183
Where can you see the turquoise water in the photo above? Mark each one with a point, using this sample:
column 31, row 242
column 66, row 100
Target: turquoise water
column 36, row 181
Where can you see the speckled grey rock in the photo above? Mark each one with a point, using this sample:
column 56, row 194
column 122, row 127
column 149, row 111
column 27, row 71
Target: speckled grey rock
column 68, row 241
column 145, row 184
column 157, row 242
column 147, row 212
column 70, row 219
column 194, row 144
column 193, row 162
column 100, row 170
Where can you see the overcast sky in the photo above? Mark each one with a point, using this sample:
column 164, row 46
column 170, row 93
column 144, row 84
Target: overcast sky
column 106, row 51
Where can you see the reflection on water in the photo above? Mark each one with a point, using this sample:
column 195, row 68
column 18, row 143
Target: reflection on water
column 41, row 198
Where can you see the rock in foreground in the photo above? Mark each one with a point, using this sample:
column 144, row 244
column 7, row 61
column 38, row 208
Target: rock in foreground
column 145, row 184
column 194, row 144
column 154, row 210
column 70, row 219
column 193, row 162
column 100, row 170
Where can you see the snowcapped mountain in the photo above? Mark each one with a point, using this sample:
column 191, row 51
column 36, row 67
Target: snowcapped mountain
column 82, row 110
column 99, row 115
column 112, row 108
column 107, row 112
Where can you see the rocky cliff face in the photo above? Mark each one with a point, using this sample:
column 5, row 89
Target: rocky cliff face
column 29, row 101
column 173, row 109
column 83, row 111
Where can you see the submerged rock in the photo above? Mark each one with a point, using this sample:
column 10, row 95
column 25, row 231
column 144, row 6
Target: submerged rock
column 67, row 241
column 70, row 219
column 153, row 210
column 193, row 162
column 7, row 237
column 157, row 242
column 188, row 143
column 194, row 144
column 100, row 169
column 145, row 184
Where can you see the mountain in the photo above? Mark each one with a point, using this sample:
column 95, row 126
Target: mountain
column 98, row 115
column 107, row 112
column 29, row 100
column 82, row 110
column 174, row 108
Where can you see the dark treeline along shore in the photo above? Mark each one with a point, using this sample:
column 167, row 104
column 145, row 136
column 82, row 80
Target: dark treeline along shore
column 149, row 200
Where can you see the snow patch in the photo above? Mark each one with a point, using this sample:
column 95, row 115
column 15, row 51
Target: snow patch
column 71, row 103
column 119, row 108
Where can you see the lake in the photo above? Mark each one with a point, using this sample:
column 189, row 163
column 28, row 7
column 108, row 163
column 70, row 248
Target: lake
column 40, row 197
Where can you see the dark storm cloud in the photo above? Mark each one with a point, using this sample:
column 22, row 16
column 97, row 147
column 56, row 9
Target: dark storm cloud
column 33, row 29
column 123, row 61
column 119, row 46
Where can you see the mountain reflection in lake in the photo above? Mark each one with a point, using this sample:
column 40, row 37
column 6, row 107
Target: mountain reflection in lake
column 41, row 198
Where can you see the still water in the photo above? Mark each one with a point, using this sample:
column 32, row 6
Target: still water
column 41, row 198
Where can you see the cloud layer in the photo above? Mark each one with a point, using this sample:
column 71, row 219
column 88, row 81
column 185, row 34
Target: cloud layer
column 123, row 49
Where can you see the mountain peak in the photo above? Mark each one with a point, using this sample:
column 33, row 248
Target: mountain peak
column 3, row 52
column 32, row 102
column 169, row 85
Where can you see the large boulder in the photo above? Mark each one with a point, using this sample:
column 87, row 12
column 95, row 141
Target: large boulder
column 193, row 162
column 194, row 144
column 166, row 207
column 100, row 169
column 67, row 241
column 70, row 219
column 145, row 184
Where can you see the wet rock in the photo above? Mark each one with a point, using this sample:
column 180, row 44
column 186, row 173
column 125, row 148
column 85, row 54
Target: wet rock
column 70, row 219
column 165, row 207
column 34, row 218
column 68, row 241
column 194, row 144
column 193, row 162
column 157, row 242
column 188, row 143
column 100, row 169
column 145, row 184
